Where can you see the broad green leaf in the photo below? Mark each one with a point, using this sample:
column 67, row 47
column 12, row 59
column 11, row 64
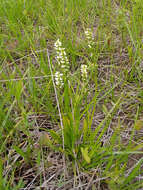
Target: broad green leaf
column 85, row 155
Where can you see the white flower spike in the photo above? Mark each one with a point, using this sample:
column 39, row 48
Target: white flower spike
column 61, row 56
column 59, row 79
column 84, row 72
column 89, row 37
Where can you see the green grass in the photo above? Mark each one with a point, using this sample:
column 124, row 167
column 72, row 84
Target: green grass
column 87, row 134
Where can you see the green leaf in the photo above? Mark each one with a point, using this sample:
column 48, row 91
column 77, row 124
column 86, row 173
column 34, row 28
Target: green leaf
column 85, row 155
column 55, row 136
column 21, row 153
column 85, row 130
column 44, row 139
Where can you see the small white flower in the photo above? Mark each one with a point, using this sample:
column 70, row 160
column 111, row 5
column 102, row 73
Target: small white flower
column 89, row 37
column 84, row 72
column 57, row 44
column 59, row 79
column 61, row 56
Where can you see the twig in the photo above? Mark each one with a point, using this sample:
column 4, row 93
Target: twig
column 95, row 181
column 59, row 110
column 90, row 181
column 25, row 78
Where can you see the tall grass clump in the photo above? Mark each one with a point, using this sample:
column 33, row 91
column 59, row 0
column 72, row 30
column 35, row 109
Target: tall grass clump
column 83, row 144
